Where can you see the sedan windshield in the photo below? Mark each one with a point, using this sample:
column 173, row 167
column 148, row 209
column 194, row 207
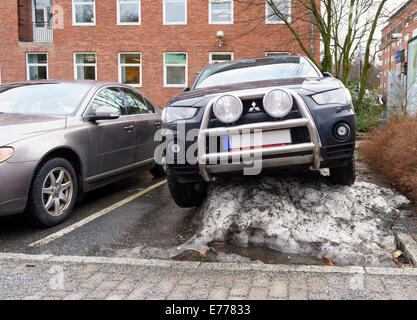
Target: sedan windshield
column 268, row 69
column 61, row 99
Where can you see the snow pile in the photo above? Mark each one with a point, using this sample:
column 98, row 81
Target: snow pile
column 306, row 216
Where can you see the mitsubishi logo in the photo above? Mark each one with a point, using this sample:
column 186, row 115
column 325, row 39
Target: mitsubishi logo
column 254, row 108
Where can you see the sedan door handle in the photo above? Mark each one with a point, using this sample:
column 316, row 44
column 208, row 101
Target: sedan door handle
column 129, row 128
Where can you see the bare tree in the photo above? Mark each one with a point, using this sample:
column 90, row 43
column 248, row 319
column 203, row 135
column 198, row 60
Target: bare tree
column 344, row 27
column 402, row 93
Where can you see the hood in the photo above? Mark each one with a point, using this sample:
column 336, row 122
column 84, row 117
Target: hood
column 197, row 97
column 15, row 127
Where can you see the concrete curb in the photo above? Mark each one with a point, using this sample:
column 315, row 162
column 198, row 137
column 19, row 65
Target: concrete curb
column 408, row 245
column 204, row 266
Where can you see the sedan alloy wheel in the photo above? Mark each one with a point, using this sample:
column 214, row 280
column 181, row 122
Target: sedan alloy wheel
column 57, row 191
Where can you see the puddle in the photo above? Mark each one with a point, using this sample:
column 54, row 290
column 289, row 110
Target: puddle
column 232, row 253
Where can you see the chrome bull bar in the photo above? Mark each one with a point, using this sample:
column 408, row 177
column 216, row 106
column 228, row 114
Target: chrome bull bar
column 305, row 121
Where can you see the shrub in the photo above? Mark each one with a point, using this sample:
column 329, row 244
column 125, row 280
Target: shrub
column 393, row 152
column 369, row 114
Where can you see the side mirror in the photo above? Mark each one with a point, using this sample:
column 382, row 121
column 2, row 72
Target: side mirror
column 186, row 90
column 327, row 75
column 104, row 113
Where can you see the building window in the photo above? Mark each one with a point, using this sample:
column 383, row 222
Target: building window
column 175, row 69
column 217, row 57
column 415, row 16
column 175, row 11
column 284, row 6
column 85, row 66
column 37, row 66
column 130, row 68
column 83, row 12
column 220, row 12
column 277, row 53
column 128, row 12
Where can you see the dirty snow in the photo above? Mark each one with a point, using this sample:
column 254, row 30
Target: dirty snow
column 306, row 216
column 300, row 215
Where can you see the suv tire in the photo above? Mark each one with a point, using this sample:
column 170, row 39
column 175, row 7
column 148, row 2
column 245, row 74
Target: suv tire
column 344, row 175
column 158, row 171
column 186, row 195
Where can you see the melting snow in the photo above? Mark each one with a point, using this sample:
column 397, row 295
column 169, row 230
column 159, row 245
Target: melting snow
column 306, row 216
column 300, row 215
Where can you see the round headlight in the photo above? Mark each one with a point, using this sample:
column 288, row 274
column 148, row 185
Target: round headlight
column 278, row 103
column 228, row 108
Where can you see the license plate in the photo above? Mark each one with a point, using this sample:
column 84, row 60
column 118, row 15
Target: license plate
column 247, row 141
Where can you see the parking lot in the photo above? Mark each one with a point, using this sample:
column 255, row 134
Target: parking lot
column 137, row 218
column 151, row 218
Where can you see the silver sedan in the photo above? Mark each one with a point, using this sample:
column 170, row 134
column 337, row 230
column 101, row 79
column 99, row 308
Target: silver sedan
column 61, row 139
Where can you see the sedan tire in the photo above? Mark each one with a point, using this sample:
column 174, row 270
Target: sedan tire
column 53, row 193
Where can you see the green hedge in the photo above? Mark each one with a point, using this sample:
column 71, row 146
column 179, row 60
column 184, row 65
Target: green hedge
column 369, row 114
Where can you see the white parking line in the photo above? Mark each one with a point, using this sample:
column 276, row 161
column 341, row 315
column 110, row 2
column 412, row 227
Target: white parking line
column 94, row 216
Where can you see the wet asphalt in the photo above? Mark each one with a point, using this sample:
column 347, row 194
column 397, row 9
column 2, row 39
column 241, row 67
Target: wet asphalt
column 151, row 220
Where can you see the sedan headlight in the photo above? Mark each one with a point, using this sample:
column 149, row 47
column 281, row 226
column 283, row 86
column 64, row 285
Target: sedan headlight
column 278, row 103
column 228, row 108
column 171, row 114
column 6, row 153
column 338, row 96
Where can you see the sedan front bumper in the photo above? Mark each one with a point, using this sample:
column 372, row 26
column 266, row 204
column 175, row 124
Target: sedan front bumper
column 15, row 180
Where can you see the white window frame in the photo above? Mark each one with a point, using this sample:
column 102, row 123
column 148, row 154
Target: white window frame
column 164, row 2
column 83, row 24
column 268, row 21
column 221, row 22
column 36, row 64
column 185, row 85
column 277, row 53
column 139, row 3
column 136, row 85
column 212, row 53
column 84, row 64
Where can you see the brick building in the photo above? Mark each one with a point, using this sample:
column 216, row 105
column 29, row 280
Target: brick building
column 404, row 22
column 158, row 46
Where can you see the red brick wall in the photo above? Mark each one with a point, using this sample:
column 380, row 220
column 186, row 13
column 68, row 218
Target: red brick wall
column 249, row 36
column 391, row 46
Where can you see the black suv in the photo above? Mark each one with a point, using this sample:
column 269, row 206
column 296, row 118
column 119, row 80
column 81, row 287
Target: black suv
column 246, row 116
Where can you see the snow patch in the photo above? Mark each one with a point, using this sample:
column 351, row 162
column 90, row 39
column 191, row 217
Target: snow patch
column 305, row 216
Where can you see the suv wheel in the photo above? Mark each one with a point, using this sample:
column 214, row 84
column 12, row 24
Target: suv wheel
column 344, row 175
column 158, row 171
column 186, row 195
column 53, row 193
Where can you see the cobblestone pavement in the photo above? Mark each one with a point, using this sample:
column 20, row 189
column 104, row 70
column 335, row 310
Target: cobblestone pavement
column 54, row 277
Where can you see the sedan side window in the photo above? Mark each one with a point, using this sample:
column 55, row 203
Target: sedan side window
column 135, row 102
column 111, row 97
column 150, row 106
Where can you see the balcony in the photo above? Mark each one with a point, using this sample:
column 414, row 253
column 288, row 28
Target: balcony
column 43, row 32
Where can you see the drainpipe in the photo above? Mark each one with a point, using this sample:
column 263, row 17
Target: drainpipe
column 312, row 35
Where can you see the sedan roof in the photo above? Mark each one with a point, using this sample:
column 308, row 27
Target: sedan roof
column 88, row 83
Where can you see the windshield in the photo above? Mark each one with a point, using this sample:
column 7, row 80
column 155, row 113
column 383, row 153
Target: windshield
column 61, row 99
column 278, row 68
